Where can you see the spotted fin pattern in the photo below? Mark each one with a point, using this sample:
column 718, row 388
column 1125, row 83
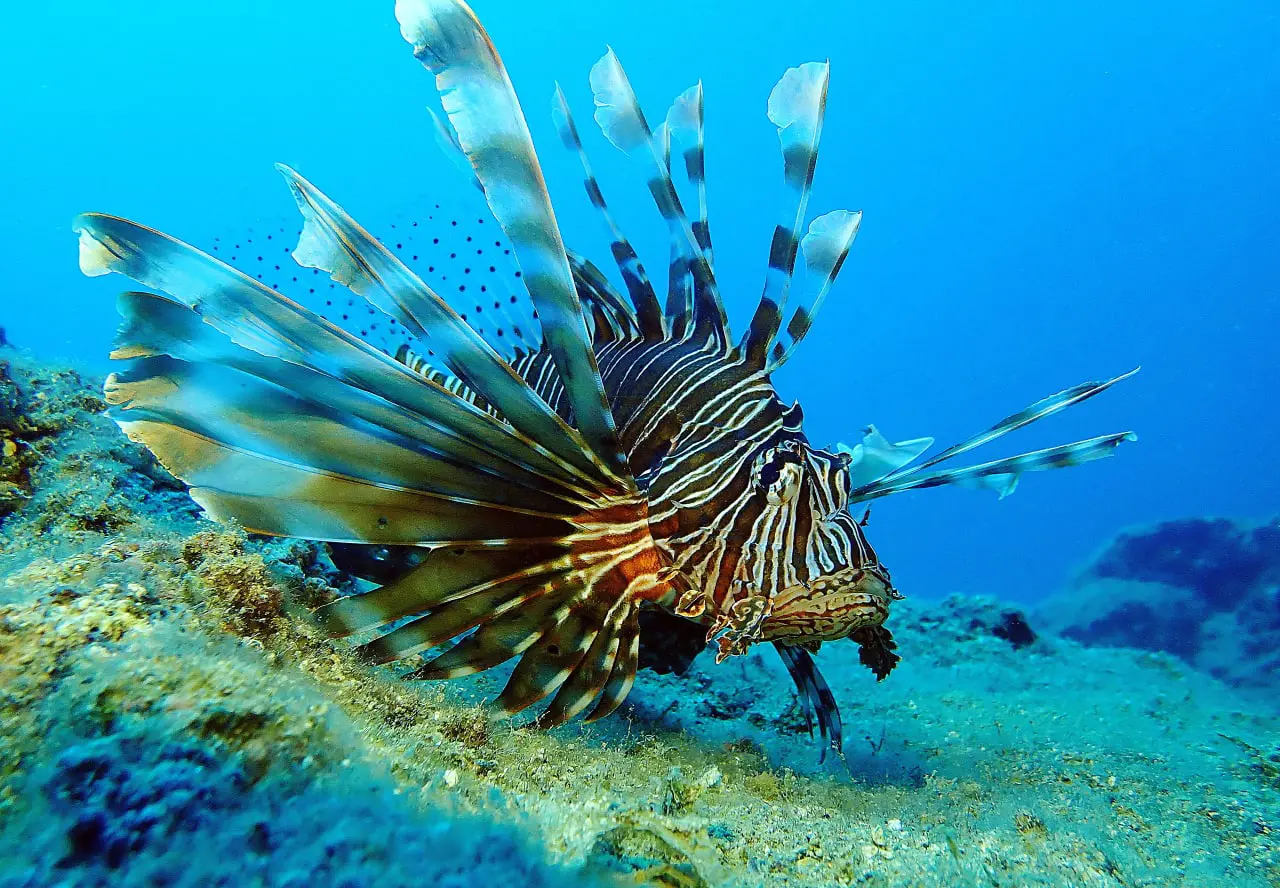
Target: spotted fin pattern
column 539, row 545
column 485, row 116
column 332, row 241
column 362, row 449
column 490, row 473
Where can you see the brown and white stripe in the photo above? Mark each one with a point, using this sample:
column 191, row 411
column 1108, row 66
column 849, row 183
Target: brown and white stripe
column 491, row 130
column 629, row 460
column 796, row 106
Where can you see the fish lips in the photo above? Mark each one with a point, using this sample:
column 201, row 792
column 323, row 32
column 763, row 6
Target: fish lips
column 830, row 607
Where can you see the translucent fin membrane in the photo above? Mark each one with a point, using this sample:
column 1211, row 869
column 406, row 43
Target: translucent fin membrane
column 482, row 110
column 999, row 475
column 796, row 107
column 648, row 312
column 452, row 244
column 333, row 241
column 623, row 124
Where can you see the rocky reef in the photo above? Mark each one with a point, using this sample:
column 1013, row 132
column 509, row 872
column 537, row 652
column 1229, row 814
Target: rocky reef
column 1206, row 590
column 171, row 716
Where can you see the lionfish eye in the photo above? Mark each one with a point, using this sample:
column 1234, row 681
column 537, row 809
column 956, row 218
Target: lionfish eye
column 778, row 473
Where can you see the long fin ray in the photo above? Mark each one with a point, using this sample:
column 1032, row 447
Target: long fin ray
column 550, row 660
column 685, row 124
column 796, row 107
column 623, row 674
column 590, row 676
column 259, row 417
column 252, row 315
column 157, row 325
column 273, row 496
column 483, row 111
column 999, row 475
column 622, row 122
column 648, row 312
column 600, row 293
column 825, row 247
column 447, row 139
column 815, row 696
column 444, row 576
column 441, row 625
column 1039, row 410
column 333, row 242
column 496, row 640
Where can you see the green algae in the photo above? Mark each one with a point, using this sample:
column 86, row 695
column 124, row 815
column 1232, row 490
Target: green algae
column 978, row 763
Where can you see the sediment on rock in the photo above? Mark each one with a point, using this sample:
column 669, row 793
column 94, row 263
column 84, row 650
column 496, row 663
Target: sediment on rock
column 157, row 671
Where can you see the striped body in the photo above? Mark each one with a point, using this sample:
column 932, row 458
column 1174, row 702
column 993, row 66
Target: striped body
column 737, row 498
column 618, row 454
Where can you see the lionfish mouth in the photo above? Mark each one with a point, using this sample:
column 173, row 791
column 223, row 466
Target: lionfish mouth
column 831, row 607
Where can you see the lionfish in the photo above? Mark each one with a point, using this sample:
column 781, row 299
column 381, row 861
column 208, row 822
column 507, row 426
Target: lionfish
column 560, row 478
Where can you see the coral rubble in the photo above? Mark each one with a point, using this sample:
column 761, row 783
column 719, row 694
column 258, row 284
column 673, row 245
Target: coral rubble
column 170, row 716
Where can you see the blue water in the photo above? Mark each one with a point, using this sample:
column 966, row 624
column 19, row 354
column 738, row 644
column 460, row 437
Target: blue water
column 1051, row 195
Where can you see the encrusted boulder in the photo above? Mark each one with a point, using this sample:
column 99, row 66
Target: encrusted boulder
column 1204, row 589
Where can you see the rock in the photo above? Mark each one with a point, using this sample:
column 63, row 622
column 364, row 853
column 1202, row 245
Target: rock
column 1206, row 590
column 965, row 618
column 8, row 399
column 645, row 855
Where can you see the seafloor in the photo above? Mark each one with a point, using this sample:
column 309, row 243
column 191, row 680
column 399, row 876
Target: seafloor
column 169, row 717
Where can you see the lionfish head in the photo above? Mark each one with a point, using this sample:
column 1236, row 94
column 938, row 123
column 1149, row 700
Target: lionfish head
column 825, row 579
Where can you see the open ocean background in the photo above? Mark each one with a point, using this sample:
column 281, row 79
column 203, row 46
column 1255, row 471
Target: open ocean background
column 1052, row 194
